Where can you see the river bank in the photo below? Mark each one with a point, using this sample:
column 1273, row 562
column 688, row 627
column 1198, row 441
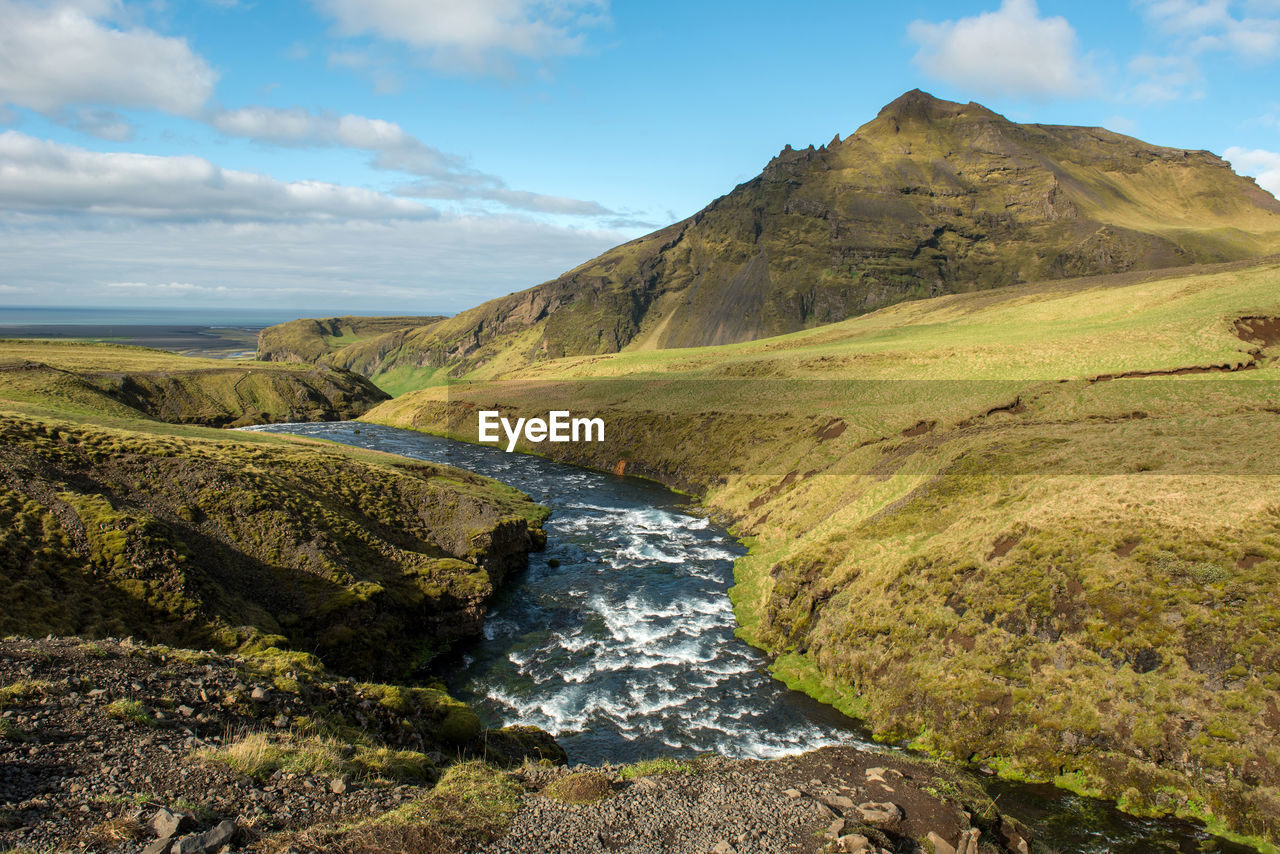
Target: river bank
column 1070, row 823
column 112, row 745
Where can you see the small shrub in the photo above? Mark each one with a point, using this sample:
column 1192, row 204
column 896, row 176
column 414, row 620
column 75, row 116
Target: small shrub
column 130, row 710
column 26, row 690
column 92, row 650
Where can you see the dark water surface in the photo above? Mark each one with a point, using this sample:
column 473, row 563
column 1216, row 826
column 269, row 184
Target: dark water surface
column 619, row 640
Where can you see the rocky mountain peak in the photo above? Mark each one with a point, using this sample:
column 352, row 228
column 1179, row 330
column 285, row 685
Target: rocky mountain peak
column 916, row 105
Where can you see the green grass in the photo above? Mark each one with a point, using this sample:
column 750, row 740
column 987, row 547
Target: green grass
column 259, row 755
column 657, row 767
column 24, row 691
column 312, row 340
column 1075, row 587
column 345, row 531
column 118, row 381
column 472, row 804
column 123, row 525
column 405, row 378
column 133, row 711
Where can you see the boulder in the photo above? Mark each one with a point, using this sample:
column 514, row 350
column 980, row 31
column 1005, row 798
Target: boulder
column 940, row 845
column 208, row 842
column 166, row 823
column 881, row 814
column 855, row 843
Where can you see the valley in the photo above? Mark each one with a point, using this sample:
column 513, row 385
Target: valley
column 970, row 431
column 1061, row 497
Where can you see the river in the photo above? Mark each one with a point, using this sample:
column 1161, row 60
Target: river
column 619, row 640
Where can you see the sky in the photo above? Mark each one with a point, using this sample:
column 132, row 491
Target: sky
column 375, row 156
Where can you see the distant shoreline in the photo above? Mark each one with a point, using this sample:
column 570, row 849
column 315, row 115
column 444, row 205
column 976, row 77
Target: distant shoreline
column 217, row 342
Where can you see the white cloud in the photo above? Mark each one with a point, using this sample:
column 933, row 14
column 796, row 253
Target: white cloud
column 395, row 150
column 1012, row 51
column 1261, row 164
column 38, row 176
column 443, row 265
column 473, row 35
column 1164, row 78
column 517, row 199
column 69, row 54
column 104, row 124
column 1246, row 29
column 182, row 289
column 296, row 126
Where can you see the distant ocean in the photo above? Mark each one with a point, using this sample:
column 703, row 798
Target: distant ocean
column 208, row 317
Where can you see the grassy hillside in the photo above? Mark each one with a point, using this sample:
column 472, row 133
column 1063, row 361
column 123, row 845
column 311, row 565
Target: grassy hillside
column 140, row 382
column 113, row 522
column 930, row 197
column 322, row 340
column 1036, row 528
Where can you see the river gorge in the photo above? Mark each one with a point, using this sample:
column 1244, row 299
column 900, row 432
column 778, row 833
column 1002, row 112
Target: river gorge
column 619, row 640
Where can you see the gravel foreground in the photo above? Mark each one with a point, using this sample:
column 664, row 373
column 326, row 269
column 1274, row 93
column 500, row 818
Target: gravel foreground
column 112, row 746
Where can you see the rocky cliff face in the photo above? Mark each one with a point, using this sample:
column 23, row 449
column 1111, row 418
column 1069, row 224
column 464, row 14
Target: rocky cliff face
column 930, row 197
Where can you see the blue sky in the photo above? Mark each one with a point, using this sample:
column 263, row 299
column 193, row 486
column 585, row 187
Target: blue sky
column 424, row 155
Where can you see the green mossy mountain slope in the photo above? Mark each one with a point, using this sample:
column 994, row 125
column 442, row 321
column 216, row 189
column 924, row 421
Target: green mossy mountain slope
column 930, row 197
column 140, row 382
column 372, row 564
column 311, row 340
column 1036, row 528
column 113, row 522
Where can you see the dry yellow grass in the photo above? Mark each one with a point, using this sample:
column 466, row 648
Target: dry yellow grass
column 962, row 535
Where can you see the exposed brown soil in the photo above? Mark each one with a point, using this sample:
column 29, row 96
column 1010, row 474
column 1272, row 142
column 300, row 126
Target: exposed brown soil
column 1126, row 548
column 832, row 430
column 772, row 491
column 920, row 428
column 1264, row 331
column 1249, row 561
column 1015, row 408
column 1003, row 545
column 1178, row 372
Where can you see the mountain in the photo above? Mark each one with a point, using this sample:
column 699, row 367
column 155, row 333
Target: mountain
column 308, row 340
column 930, row 197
